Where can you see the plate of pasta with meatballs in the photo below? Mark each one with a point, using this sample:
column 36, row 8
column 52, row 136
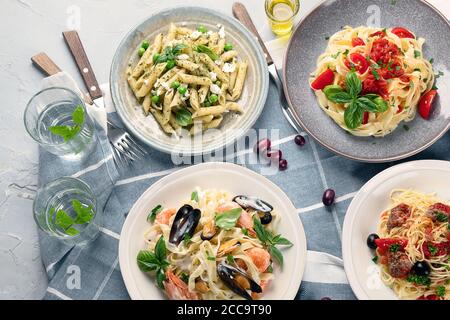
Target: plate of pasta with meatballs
column 396, row 239
column 198, row 235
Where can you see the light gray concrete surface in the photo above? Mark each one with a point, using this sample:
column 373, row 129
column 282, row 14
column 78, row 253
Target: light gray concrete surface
column 28, row 27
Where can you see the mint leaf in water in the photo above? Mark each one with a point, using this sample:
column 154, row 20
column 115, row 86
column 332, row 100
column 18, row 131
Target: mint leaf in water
column 84, row 214
column 68, row 132
column 63, row 220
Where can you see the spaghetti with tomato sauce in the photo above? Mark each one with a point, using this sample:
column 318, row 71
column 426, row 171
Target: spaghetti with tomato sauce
column 394, row 80
column 412, row 246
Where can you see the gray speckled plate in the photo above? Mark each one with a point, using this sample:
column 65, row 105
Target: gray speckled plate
column 234, row 126
column 308, row 42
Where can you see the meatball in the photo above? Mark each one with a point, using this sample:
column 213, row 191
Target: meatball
column 398, row 216
column 399, row 264
column 439, row 212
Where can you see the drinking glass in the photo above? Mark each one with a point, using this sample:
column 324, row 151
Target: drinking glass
column 281, row 15
column 67, row 209
column 54, row 108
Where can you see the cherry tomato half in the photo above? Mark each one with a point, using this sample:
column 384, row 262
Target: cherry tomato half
column 323, row 80
column 365, row 118
column 403, row 33
column 358, row 42
column 426, row 103
column 358, row 62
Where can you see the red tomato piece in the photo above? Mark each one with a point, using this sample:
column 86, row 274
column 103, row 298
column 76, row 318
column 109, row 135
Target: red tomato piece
column 433, row 249
column 393, row 69
column 385, row 244
column 358, row 62
column 383, row 51
column 426, row 103
column 380, row 87
column 358, row 42
column 378, row 34
column 403, row 33
column 365, row 118
column 323, row 80
column 430, row 297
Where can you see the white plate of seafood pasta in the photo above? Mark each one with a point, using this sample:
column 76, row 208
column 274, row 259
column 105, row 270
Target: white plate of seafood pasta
column 396, row 236
column 214, row 231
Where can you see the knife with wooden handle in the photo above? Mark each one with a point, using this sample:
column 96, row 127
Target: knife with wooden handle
column 241, row 13
column 46, row 65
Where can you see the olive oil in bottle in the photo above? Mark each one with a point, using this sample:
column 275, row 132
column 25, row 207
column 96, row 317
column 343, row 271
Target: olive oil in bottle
column 281, row 14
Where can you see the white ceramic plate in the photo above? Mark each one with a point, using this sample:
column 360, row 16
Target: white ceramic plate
column 363, row 216
column 175, row 188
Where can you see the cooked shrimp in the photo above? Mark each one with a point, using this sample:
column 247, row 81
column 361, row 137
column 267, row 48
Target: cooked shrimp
column 176, row 289
column 264, row 284
column 260, row 257
column 164, row 216
column 245, row 220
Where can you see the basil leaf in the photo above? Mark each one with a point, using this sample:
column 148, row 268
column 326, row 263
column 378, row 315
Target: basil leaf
column 204, row 49
column 353, row 116
column 63, row 220
column 152, row 216
column 276, row 255
column 162, row 58
column 336, row 94
column 178, row 48
column 228, row 219
column 160, row 278
column 261, row 232
column 78, row 115
column 279, row 240
column 381, row 103
column 84, row 214
column 371, row 96
column 354, row 85
column 367, row 105
column 160, row 249
column 194, row 196
column 147, row 261
column 183, row 117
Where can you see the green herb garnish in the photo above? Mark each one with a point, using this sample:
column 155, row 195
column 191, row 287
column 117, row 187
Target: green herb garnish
column 441, row 217
column 183, row 117
column 419, row 280
column 204, row 49
column 417, row 54
column 68, row 132
column 433, row 250
column 271, row 241
column 155, row 211
column 230, row 259
column 155, row 261
column 375, row 259
column 194, row 196
column 227, row 220
column 211, row 258
column 186, row 239
column 394, row 248
column 440, row 291
column 184, row 277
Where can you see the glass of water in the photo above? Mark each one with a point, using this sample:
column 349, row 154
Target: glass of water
column 57, row 119
column 67, row 210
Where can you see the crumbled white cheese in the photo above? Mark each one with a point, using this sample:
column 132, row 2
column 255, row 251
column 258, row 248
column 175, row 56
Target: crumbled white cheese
column 195, row 35
column 183, row 57
column 219, row 25
column 218, row 62
column 214, row 88
column 146, row 82
column 158, row 83
column 213, row 76
column 210, row 33
column 165, row 85
column 229, row 67
column 222, row 33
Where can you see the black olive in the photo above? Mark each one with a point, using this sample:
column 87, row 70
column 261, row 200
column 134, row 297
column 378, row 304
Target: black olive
column 371, row 241
column 328, row 197
column 421, row 268
column 266, row 218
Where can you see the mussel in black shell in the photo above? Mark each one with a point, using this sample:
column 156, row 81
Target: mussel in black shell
column 184, row 224
column 237, row 280
column 264, row 209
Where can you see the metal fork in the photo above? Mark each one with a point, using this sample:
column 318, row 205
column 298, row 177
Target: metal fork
column 126, row 149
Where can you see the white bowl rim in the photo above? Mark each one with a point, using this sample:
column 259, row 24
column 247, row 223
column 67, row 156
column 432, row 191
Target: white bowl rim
column 438, row 165
column 300, row 240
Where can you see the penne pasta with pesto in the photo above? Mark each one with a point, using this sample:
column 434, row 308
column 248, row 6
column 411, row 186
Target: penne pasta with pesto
column 188, row 78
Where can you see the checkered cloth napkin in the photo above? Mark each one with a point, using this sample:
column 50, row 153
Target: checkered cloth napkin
column 312, row 169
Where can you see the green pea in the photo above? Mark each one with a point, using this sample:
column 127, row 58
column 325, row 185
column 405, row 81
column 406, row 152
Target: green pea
column 155, row 99
column 228, row 47
column 182, row 90
column 213, row 98
column 202, row 29
column 175, row 85
column 207, row 104
column 218, row 82
column 141, row 52
column 170, row 64
column 145, row 44
column 156, row 57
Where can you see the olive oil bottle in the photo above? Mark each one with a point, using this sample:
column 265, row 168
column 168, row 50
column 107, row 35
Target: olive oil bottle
column 281, row 14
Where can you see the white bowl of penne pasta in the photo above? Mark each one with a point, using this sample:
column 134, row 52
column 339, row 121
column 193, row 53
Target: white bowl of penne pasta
column 189, row 81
